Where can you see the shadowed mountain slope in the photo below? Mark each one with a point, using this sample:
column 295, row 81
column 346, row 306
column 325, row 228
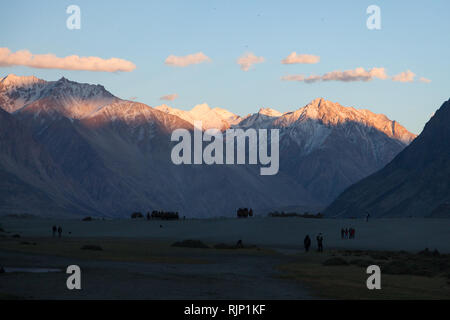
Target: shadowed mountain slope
column 415, row 183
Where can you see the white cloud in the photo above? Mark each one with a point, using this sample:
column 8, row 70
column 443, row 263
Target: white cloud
column 300, row 58
column 406, row 76
column 169, row 97
column 293, row 77
column 185, row 61
column 249, row 59
column 425, row 80
column 358, row 74
column 73, row 62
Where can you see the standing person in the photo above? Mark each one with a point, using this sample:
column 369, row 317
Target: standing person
column 367, row 217
column 307, row 242
column 342, row 233
column 346, row 233
column 59, row 231
column 54, row 231
column 319, row 242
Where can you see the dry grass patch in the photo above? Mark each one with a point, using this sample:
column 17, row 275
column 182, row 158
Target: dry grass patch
column 349, row 281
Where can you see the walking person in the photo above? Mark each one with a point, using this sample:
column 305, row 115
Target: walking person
column 342, row 233
column 307, row 242
column 319, row 242
column 54, row 231
column 59, row 231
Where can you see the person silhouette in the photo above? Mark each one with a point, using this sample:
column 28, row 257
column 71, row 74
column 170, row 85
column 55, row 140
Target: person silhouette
column 307, row 242
column 319, row 242
column 54, row 231
column 59, row 231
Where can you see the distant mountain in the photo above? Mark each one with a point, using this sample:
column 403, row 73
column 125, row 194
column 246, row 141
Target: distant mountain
column 262, row 119
column 74, row 100
column 216, row 118
column 327, row 147
column 102, row 155
column 415, row 183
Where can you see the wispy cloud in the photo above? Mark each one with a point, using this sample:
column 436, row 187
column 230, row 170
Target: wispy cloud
column 73, row 62
column 249, row 59
column 406, row 76
column 184, row 61
column 169, row 97
column 358, row 74
column 425, row 80
column 300, row 58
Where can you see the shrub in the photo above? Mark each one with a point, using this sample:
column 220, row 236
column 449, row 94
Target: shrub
column 136, row 215
column 190, row 244
column 397, row 267
column 335, row 262
column 362, row 262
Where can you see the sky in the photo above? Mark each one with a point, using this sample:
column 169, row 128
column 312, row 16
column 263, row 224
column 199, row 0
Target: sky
column 184, row 53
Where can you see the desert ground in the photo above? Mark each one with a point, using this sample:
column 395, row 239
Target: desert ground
column 136, row 259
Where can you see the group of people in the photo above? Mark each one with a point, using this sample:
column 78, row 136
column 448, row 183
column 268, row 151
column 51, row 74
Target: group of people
column 59, row 230
column 307, row 242
column 348, row 233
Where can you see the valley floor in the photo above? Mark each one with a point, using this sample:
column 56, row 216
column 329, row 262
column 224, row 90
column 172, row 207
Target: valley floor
column 137, row 260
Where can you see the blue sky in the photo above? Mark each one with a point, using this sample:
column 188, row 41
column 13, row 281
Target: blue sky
column 414, row 36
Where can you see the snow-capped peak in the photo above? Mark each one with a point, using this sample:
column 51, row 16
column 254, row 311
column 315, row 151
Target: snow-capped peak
column 332, row 113
column 200, row 109
column 211, row 118
column 15, row 81
column 68, row 98
column 270, row 112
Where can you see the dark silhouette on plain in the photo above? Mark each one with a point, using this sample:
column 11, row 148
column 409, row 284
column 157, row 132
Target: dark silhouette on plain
column 165, row 215
column 319, row 242
column 137, row 215
column 307, row 242
column 244, row 212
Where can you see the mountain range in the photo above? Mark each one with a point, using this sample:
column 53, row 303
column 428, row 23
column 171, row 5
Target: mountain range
column 69, row 148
